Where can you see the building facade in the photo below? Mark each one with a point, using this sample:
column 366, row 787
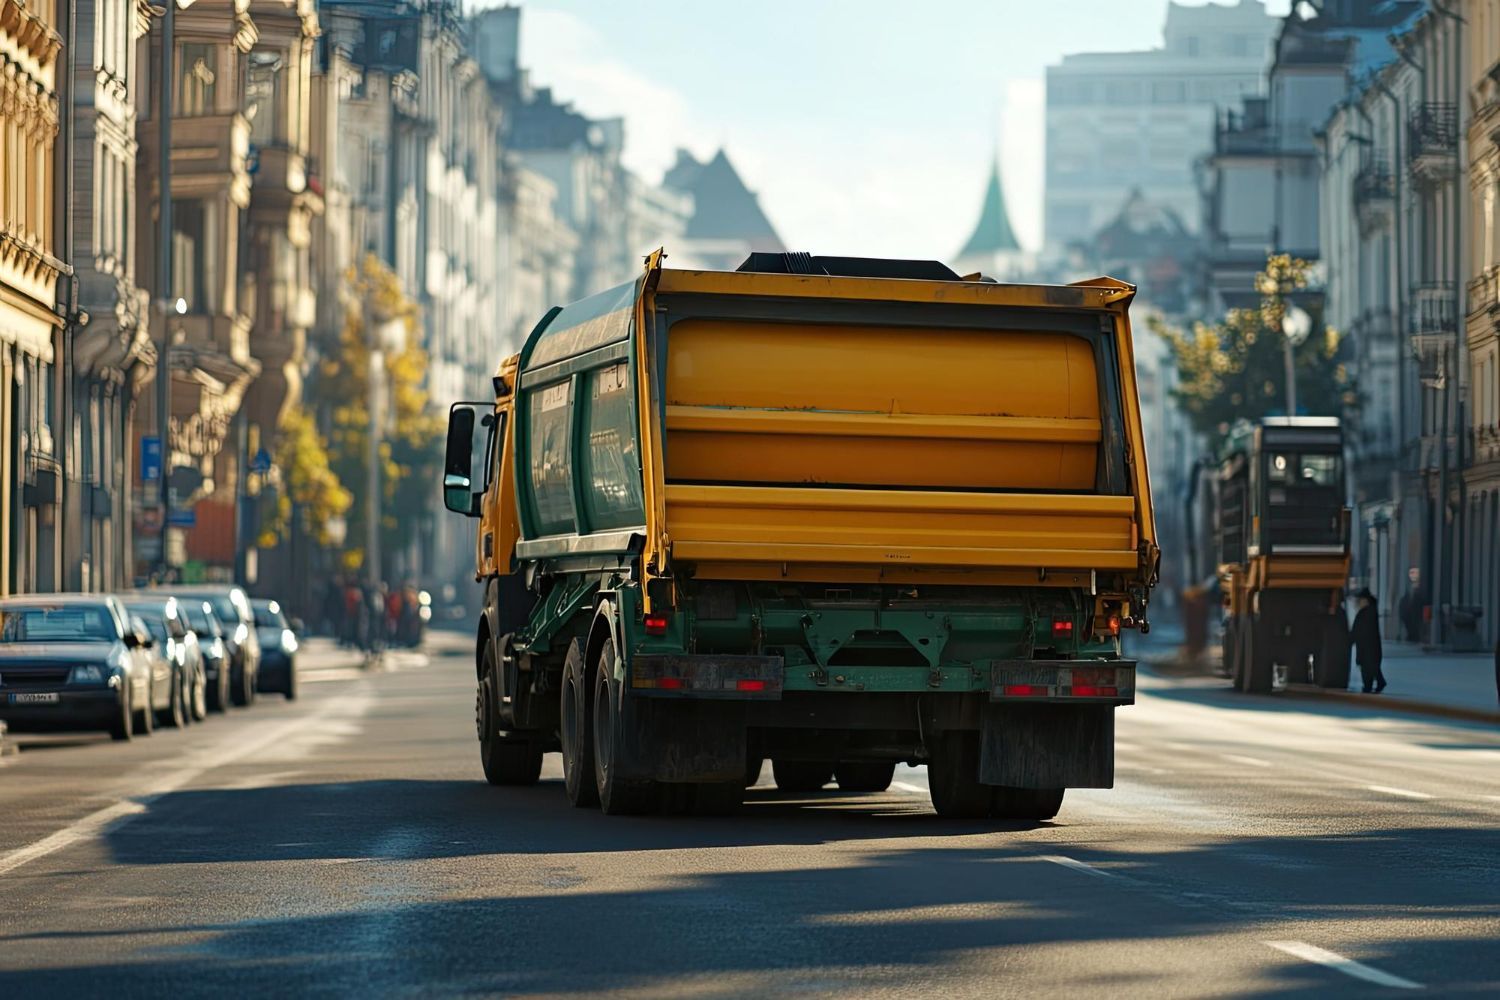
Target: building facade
column 31, row 341
column 1124, row 121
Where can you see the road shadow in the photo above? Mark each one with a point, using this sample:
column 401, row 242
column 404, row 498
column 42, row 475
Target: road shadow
column 879, row 921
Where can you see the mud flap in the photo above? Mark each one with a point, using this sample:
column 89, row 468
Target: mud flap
column 677, row 740
column 1048, row 746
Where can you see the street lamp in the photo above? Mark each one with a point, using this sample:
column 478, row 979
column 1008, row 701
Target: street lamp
column 1296, row 326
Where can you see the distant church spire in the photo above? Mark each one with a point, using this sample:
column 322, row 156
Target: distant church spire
column 992, row 234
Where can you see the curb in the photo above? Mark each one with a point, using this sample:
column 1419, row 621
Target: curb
column 1406, row 705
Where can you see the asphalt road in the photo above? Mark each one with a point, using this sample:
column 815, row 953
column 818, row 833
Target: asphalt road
column 346, row 844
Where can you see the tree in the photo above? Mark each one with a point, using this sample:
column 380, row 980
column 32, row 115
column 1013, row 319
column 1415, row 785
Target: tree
column 410, row 443
column 307, row 480
column 1235, row 369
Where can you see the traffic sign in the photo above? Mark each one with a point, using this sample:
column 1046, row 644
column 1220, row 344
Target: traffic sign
column 182, row 518
column 150, row 459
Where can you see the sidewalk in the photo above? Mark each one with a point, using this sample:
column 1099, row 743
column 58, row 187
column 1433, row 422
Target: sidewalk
column 1457, row 685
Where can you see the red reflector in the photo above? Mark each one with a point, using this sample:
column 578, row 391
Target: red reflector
column 747, row 684
column 656, row 624
column 670, row 683
column 1025, row 691
column 1062, row 627
column 1091, row 691
column 1114, row 625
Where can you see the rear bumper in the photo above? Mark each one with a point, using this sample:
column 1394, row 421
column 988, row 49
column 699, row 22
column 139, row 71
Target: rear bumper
column 1066, row 682
column 74, row 709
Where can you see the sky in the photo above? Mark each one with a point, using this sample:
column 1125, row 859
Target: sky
column 866, row 127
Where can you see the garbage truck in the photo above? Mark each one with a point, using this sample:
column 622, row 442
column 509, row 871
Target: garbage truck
column 834, row 513
column 1283, row 540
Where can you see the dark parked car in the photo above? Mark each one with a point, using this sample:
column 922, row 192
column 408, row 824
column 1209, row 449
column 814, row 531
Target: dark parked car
column 204, row 624
column 79, row 661
column 163, row 618
column 278, row 648
column 232, row 608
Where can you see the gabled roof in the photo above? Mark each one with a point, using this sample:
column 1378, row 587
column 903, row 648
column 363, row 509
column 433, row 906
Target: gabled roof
column 992, row 234
column 723, row 208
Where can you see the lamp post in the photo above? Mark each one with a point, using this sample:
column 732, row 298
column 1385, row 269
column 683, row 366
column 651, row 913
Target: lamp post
column 164, row 271
column 1296, row 325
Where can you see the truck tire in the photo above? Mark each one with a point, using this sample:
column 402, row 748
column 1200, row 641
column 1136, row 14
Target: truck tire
column 617, row 797
column 576, row 731
column 506, row 760
column 1331, row 668
column 1256, row 651
column 1035, row 804
column 953, row 778
column 800, row 775
column 865, row 777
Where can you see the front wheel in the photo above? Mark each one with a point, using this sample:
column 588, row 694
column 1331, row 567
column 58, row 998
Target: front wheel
column 199, row 700
column 174, row 716
column 1255, row 650
column 123, row 726
column 865, row 777
column 617, row 797
column 576, row 732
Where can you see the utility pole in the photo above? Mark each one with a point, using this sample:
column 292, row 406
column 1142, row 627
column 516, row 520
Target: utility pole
column 164, row 269
column 375, row 404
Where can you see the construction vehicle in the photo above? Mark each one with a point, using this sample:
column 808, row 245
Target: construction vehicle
column 838, row 513
column 1283, row 538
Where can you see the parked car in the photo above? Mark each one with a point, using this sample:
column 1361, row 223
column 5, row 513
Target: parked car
column 278, row 648
column 163, row 617
column 232, row 607
column 79, row 661
column 204, row 625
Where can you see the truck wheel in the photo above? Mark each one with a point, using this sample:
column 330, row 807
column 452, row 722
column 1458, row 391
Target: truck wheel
column 1256, row 652
column 753, row 767
column 1331, row 668
column 617, row 797
column 506, row 761
column 866, row 777
column 1027, row 803
column 800, row 775
column 576, row 732
column 953, row 778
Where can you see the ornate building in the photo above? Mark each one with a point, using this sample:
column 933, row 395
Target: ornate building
column 30, row 324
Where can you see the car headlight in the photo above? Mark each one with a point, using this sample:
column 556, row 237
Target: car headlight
column 240, row 634
column 288, row 641
column 86, row 674
column 216, row 648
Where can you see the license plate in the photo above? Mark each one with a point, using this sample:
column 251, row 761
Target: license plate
column 35, row 698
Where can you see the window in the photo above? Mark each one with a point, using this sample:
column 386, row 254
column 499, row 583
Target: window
column 189, row 247
column 196, row 78
column 551, row 458
column 614, row 498
column 263, row 83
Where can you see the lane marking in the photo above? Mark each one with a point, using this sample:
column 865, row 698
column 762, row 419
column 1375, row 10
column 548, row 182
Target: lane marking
column 1242, row 759
column 1077, row 866
column 1337, row 962
column 96, row 823
column 905, row 787
column 1405, row 793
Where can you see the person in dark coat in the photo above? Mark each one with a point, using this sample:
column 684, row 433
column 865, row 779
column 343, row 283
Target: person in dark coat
column 1367, row 647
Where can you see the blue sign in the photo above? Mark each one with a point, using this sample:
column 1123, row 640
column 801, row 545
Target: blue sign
column 150, row 459
column 261, row 463
column 178, row 517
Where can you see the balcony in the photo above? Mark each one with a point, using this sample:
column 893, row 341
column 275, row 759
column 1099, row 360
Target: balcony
column 1433, row 326
column 1484, row 294
column 1374, row 182
column 1432, row 140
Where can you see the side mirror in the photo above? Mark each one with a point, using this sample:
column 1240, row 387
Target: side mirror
column 458, row 458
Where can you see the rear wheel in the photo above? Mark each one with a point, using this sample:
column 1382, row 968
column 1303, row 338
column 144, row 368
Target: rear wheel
column 865, row 777
column 801, row 775
column 576, row 732
column 953, row 778
column 1027, row 803
column 1232, row 659
column 218, row 692
column 1255, row 650
column 506, row 759
column 617, row 797
column 123, row 726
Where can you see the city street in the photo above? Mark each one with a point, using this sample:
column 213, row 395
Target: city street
column 346, row 843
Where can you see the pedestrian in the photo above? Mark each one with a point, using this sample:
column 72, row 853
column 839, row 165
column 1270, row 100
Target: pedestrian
column 1409, row 610
column 1367, row 646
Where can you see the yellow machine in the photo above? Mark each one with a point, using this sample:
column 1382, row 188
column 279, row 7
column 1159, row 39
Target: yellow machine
column 835, row 512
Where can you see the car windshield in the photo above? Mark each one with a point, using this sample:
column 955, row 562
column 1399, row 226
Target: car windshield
column 268, row 614
column 198, row 618
column 155, row 625
column 58, row 623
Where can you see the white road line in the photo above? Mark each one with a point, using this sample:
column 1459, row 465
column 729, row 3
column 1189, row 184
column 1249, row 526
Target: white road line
column 902, row 786
column 97, row 822
column 1242, row 759
column 1348, row 966
column 1077, row 866
column 1405, row 793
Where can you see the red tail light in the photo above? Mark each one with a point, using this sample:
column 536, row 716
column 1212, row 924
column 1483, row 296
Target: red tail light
column 746, row 684
column 1112, row 625
column 1091, row 691
column 670, row 683
column 656, row 624
column 1062, row 628
column 1026, row 690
